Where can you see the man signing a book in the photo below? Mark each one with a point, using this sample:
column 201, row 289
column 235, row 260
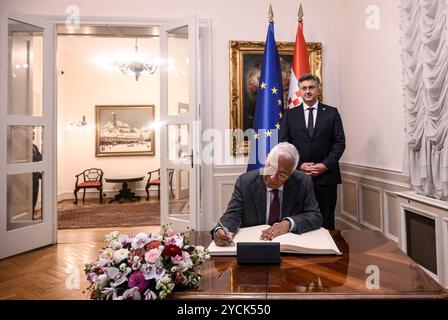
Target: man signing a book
column 277, row 195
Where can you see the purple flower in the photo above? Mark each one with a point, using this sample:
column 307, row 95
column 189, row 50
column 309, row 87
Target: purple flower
column 92, row 277
column 137, row 279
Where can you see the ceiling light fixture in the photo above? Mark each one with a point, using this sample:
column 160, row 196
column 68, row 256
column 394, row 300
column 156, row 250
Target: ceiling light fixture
column 137, row 64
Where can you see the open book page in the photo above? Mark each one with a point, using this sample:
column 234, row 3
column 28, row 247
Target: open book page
column 313, row 242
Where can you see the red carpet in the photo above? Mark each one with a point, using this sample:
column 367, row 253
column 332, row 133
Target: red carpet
column 109, row 215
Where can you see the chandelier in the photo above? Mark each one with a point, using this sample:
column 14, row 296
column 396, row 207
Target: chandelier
column 137, row 64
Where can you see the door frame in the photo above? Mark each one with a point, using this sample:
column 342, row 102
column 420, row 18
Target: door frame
column 206, row 98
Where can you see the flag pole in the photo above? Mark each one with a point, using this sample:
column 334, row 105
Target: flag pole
column 269, row 105
column 300, row 64
column 270, row 14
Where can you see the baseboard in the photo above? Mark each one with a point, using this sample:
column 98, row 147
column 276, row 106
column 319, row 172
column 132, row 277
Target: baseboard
column 90, row 194
column 347, row 222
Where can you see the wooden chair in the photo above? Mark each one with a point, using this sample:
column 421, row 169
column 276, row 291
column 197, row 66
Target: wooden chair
column 91, row 178
column 154, row 180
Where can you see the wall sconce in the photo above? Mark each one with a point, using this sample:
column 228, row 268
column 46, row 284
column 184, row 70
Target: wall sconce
column 80, row 124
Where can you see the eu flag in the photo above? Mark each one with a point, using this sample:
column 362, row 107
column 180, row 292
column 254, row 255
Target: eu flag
column 269, row 105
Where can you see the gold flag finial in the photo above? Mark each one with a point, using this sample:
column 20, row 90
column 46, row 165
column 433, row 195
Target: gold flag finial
column 271, row 14
column 300, row 14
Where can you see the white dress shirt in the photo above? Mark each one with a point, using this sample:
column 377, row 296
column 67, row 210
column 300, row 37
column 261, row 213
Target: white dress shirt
column 269, row 198
column 307, row 111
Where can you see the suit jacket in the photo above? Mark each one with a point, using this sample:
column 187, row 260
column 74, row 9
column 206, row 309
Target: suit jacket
column 247, row 207
column 325, row 146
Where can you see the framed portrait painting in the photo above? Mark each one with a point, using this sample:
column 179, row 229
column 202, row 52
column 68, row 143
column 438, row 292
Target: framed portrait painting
column 246, row 58
column 124, row 130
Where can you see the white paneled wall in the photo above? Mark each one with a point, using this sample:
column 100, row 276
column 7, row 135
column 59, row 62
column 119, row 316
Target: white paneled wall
column 368, row 200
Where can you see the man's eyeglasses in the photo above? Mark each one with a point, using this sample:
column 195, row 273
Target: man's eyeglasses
column 272, row 172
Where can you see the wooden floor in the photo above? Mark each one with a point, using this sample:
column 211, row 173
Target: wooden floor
column 56, row 272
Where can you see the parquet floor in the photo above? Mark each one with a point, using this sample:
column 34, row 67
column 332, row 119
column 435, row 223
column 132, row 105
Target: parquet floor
column 56, row 272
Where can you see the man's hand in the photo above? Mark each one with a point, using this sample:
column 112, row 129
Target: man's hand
column 317, row 169
column 276, row 230
column 307, row 167
column 222, row 239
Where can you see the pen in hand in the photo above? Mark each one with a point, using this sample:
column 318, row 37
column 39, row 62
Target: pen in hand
column 226, row 232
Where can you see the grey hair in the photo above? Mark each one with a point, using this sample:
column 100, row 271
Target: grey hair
column 309, row 76
column 285, row 148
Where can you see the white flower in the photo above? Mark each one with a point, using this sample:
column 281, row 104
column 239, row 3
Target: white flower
column 110, row 293
column 115, row 244
column 102, row 278
column 185, row 265
column 107, row 253
column 103, row 262
column 153, row 271
column 136, row 265
column 120, row 255
column 176, row 239
column 123, row 238
column 112, row 236
column 149, row 295
column 116, row 276
column 139, row 241
column 123, row 267
column 128, row 271
column 112, row 272
column 132, row 294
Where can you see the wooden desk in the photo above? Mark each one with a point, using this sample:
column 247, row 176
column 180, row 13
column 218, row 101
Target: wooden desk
column 319, row 277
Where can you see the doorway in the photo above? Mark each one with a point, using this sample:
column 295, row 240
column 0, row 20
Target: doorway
column 108, row 114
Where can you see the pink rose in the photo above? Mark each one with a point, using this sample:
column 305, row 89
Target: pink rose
column 176, row 260
column 152, row 256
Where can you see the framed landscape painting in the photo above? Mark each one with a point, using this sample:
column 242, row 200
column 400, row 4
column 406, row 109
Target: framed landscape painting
column 124, row 130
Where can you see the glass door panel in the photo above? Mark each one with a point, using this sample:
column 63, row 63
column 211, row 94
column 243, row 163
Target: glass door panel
column 27, row 161
column 25, row 68
column 179, row 111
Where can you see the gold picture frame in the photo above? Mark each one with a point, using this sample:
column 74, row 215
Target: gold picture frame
column 124, row 130
column 245, row 66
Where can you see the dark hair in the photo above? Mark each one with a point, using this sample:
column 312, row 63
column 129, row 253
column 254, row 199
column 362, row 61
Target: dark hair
column 309, row 76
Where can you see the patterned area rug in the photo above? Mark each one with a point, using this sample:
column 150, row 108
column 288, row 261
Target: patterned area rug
column 109, row 215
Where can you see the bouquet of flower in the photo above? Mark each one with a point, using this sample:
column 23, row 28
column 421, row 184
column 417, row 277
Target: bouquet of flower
column 147, row 266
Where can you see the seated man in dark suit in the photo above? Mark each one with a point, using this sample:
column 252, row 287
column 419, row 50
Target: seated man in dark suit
column 277, row 195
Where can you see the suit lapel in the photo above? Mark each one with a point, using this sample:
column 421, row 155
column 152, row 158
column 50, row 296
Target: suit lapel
column 289, row 191
column 260, row 199
column 302, row 122
column 321, row 113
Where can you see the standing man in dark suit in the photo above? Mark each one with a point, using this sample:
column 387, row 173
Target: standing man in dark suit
column 315, row 129
column 277, row 195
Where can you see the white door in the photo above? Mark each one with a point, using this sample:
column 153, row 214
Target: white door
column 180, row 130
column 27, row 133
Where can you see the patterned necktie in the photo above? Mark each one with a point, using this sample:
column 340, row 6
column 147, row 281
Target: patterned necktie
column 274, row 208
column 310, row 122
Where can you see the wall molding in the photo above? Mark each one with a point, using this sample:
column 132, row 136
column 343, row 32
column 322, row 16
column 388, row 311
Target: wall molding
column 387, row 183
column 361, row 207
column 386, row 194
column 343, row 220
column 381, row 176
column 343, row 212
